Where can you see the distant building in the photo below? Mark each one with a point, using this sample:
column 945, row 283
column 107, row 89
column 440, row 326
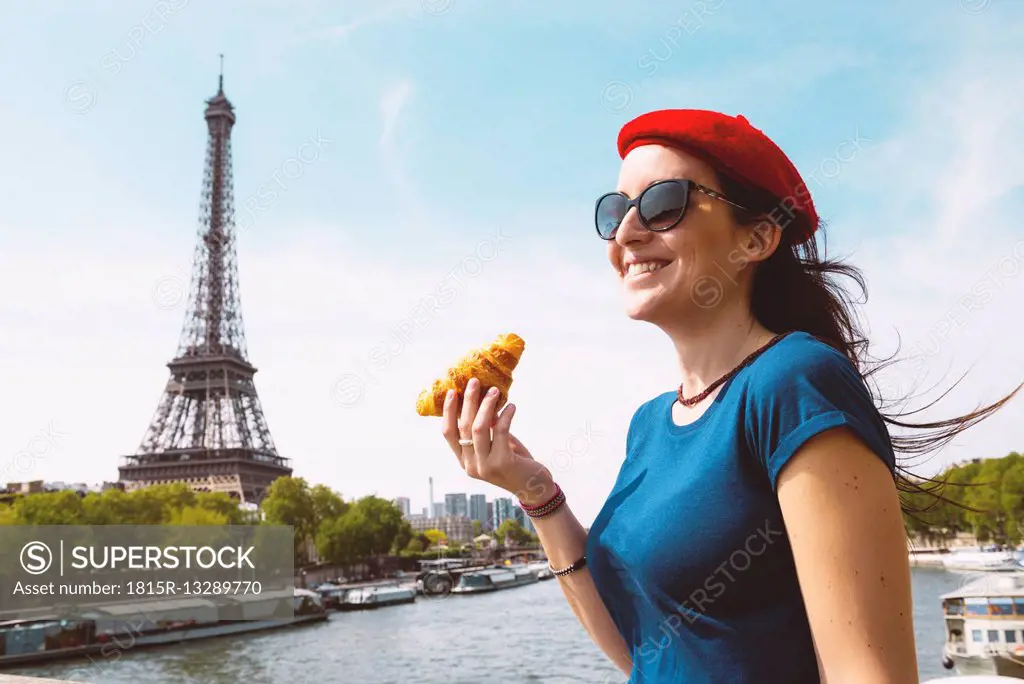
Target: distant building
column 12, row 490
column 404, row 505
column 438, row 511
column 426, row 512
column 459, row 530
column 457, row 505
column 489, row 525
column 80, row 488
column 478, row 509
column 502, row 510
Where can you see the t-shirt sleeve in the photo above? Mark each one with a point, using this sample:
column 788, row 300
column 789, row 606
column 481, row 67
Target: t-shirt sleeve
column 802, row 391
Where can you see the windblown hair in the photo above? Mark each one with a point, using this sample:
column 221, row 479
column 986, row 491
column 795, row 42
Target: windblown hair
column 796, row 289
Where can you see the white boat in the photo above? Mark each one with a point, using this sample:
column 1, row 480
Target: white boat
column 494, row 579
column 928, row 557
column 369, row 598
column 976, row 559
column 985, row 626
column 111, row 628
column 542, row 569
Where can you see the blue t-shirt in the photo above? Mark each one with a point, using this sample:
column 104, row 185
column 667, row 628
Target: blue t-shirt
column 689, row 552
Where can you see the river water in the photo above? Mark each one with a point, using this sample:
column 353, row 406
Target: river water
column 522, row 635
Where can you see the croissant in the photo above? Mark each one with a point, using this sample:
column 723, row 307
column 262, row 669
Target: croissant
column 492, row 366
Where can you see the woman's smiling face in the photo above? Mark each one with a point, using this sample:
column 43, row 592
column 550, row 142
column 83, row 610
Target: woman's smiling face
column 669, row 276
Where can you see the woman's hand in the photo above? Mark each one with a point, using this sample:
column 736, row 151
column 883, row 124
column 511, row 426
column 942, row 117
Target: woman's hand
column 495, row 456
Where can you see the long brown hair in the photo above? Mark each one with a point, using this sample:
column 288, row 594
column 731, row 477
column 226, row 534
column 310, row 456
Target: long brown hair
column 796, row 289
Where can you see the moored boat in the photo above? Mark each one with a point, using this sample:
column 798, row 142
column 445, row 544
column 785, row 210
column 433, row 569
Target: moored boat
column 494, row 579
column 542, row 569
column 928, row 557
column 986, row 560
column 104, row 630
column 985, row 626
column 370, row 598
column 332, row 595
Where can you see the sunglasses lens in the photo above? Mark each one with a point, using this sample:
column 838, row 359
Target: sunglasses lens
column 611, row 209
column 663, row 205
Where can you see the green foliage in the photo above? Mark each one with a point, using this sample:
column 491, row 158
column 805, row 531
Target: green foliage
column 289, row 501
column 985, row 498
column 347, row 539
column 343, row 532
column 404, row 537
column 158, row 505
column 513, row 531
column 435, row 537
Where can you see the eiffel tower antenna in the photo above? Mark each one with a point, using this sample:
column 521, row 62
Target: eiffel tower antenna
column 220, row 81
column 209, row 430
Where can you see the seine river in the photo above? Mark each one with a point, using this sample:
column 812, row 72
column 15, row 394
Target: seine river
column 522, row 635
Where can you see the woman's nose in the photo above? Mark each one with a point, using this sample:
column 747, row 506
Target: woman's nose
column 631, row 230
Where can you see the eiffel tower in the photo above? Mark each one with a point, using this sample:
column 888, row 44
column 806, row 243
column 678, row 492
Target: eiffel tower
column 209, row 430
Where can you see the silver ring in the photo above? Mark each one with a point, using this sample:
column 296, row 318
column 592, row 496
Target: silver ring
column 465, row 442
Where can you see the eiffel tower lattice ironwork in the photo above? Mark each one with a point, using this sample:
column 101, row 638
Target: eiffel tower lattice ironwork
column 209, row 430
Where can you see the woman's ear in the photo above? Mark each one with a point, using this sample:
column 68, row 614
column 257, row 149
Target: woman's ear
column 760, row 239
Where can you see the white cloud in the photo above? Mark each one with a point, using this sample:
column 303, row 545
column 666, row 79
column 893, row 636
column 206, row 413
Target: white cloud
column 391, row 105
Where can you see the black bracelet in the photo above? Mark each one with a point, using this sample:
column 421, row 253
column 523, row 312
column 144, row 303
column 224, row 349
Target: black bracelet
column 581, row 563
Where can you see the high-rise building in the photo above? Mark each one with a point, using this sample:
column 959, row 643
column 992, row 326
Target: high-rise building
column 502, row 510
column 404, row 505
column 526, row 521
column 489, row 525
column 438, row 511
column 518, row 514
column 426, row 512
column 431, row 499
column 478, row 509
column 456, row 505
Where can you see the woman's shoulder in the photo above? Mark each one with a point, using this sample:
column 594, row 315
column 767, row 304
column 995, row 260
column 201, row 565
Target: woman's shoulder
column 799, row 355
column 652, row 406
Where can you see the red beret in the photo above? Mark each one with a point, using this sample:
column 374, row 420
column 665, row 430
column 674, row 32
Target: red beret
column 733, row 147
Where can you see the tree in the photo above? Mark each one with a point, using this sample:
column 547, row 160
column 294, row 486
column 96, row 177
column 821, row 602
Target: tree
column 50, row 508
column 404, row 537
column 327, row 505
column 196, row 515
column 221, row 505
column 477, row 528
column 435, row 537
column 510, row 529
column 345, row 540
column 8, row 516
column 1012, row 500
column 383, row 522
column 290, row 502
column 985, row 497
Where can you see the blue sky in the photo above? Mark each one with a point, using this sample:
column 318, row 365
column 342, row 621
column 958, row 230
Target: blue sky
column 442, row 122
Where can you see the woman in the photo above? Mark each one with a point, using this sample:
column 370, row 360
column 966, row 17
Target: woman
column 754, row 533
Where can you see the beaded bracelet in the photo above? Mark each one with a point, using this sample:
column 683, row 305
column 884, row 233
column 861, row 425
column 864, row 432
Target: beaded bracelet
column 579, row 564
column 546, row 508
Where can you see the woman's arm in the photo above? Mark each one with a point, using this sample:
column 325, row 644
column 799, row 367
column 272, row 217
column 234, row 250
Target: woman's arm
column 496, row 456
column 842, row 512
column 564, row 541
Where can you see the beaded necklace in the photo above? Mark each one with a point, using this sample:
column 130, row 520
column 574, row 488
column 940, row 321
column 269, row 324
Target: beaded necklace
column 693, row 401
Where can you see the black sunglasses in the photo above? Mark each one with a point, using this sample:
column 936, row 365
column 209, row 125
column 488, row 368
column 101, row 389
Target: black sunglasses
column 660, row 206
